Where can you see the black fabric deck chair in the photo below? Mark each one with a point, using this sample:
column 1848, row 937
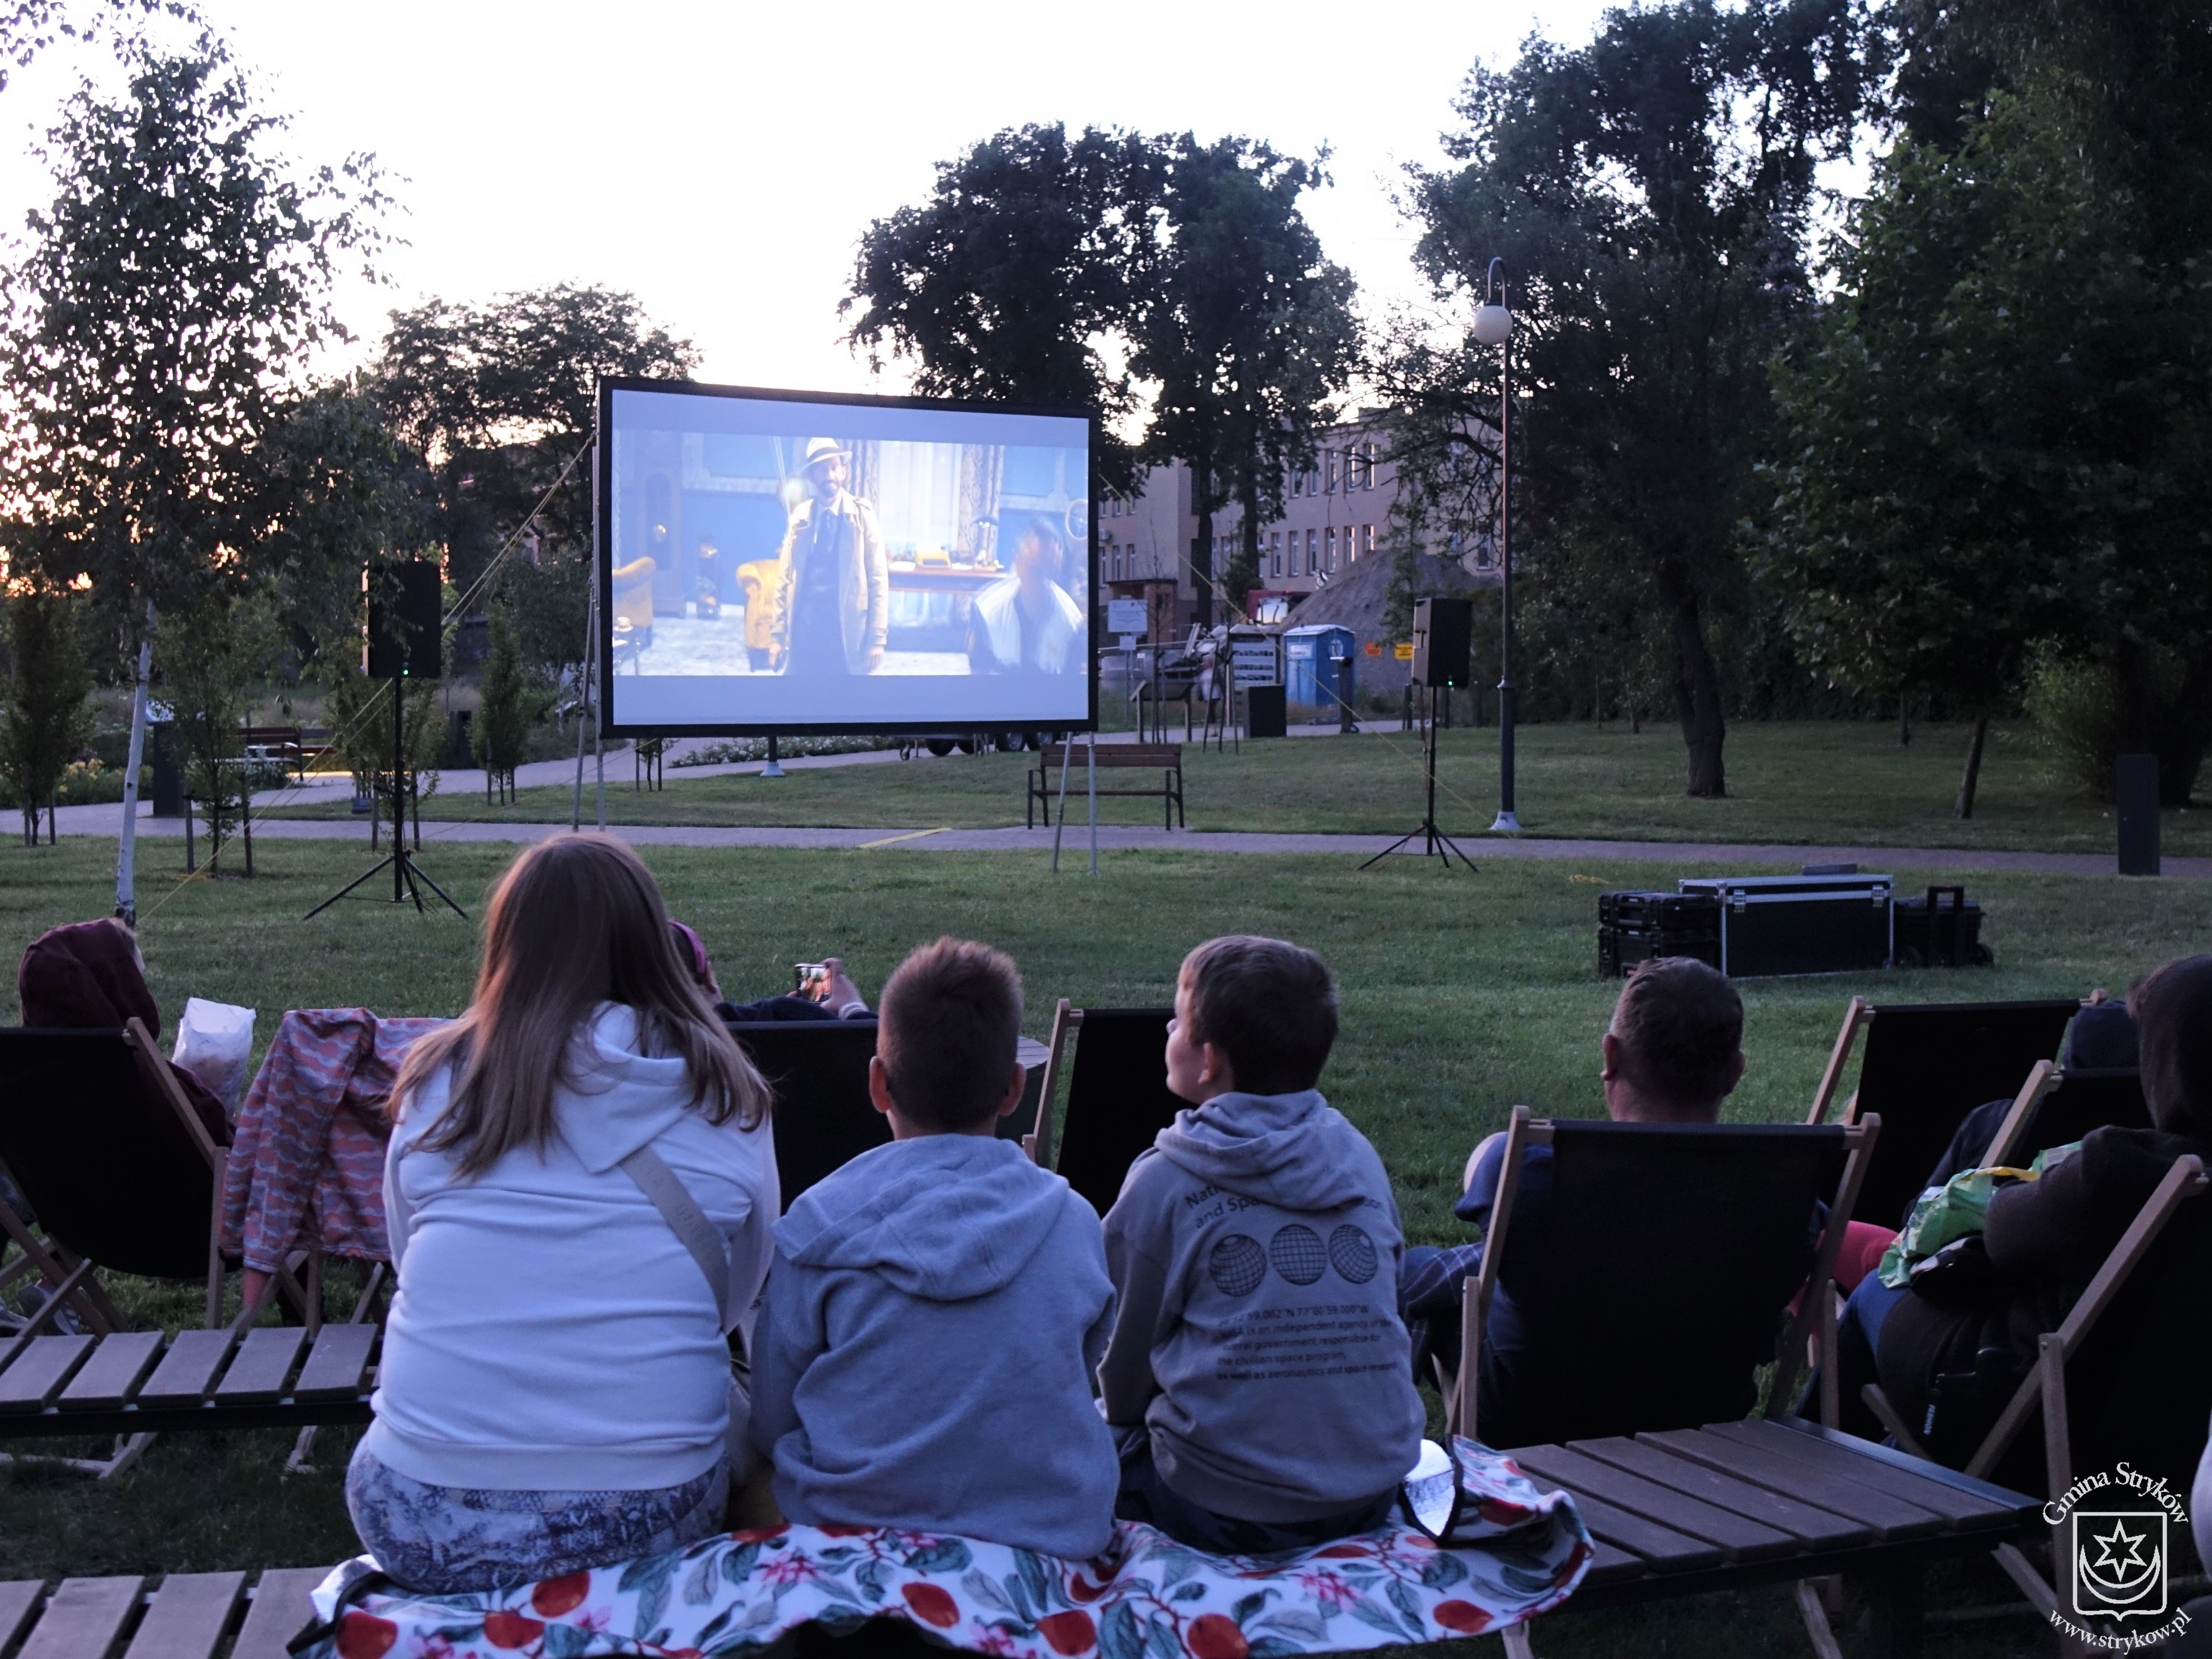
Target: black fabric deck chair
column 115, row 1164
column 1669, row 1256
column 1117, row 1096
column 2075, row 1103
column 818, row 1070
column 2117, row 1345
column 1926, row 1066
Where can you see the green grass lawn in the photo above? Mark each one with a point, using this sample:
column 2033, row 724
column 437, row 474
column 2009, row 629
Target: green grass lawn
column 1462, row 994
column 1817, row 782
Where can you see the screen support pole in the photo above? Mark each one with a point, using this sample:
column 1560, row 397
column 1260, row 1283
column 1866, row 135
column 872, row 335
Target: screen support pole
column 591, row 654
column 1090, row 767
column 1059, row 818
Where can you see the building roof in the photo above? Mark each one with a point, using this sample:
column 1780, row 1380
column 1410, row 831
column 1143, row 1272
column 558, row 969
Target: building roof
column 1359, row 597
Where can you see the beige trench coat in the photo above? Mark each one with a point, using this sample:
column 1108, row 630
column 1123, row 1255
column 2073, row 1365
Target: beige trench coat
column 864, row 583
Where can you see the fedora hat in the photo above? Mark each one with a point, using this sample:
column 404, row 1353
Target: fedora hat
column 823, row 449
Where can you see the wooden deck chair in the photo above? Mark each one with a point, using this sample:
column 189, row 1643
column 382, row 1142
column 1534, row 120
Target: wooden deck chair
column 2044, row 1390
column 1925, row 1067
column 1117, row 1096
column 188, row 1617
column 2071, row 1104
column 1681, row 1245
column 818, row 1070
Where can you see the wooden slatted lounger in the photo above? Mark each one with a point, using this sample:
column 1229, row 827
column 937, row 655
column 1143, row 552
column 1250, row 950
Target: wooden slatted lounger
column 187, row 1618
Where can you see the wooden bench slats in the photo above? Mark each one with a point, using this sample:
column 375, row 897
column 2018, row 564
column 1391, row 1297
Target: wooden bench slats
column 1152, row 754
column 1816, row 1527
column 1889, row 1517
column 83, row 1619
column 40, row 1371
column 183, row 1377
column 280, row 1611
column 1739, row 1538
column 1658, row 1549
column 1608, row 1564
column 113, row 1373
column 1961, row 1508
column 265, row 1362
column 337, row 1365
column 190, row 1612
column 19, row 1598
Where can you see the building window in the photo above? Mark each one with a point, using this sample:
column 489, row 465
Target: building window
column 1296, row 569
column 1297, row 484
column 1367, row 538
column 1313, row 549
column 1332, row 472
column 1275, row 552
column 1328, row 548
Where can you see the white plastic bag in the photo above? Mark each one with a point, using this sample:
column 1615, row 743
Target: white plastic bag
column 214, row 1041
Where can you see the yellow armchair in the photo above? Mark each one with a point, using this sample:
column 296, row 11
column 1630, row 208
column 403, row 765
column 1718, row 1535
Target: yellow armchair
column 633, row 589
column 761, row 581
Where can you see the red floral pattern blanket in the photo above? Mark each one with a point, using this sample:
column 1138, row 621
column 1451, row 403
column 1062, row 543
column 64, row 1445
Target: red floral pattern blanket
column 1517, row 1554
column 306, row 1158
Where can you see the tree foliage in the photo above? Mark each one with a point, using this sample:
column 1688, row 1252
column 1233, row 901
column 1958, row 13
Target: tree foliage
column 1647, row 193
column 501, row 734
column 45, row 719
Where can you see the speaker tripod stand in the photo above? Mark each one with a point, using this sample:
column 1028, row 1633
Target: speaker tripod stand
column 1433, row 840
column 405, row 871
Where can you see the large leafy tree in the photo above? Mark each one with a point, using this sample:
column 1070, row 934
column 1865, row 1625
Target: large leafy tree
column 1248, row 331
column 1009, row 282
column 161, row 322
column 44, row 718
column 1647, row 193
column 1994, row 440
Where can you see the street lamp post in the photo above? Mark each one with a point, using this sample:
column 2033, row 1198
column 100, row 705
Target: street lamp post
column 1493, row 325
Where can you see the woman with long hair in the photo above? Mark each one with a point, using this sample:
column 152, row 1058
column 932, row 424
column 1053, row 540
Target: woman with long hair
column 555, row 1392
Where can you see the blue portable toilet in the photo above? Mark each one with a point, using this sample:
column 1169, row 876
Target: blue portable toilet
column 1317, row 666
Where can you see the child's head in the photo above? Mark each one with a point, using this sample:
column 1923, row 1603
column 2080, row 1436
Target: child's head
column 946, row 1035
column 1266, row 1006
column 1676, row 1043
column 576, row 921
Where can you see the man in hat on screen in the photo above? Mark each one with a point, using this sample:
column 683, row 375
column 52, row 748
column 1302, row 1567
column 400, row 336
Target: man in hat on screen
column 834, row 611
column 1027, row 621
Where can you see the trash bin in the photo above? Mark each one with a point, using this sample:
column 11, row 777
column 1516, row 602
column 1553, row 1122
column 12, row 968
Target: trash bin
column 1263, row 711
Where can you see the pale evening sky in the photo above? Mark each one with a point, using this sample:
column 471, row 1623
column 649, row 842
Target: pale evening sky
column 721, row 160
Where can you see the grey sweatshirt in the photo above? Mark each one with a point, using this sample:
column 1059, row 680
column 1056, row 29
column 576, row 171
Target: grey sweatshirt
column 1254, row 1249
column 924, row 1357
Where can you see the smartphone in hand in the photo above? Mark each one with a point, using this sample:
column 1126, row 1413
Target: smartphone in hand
column 810, row 979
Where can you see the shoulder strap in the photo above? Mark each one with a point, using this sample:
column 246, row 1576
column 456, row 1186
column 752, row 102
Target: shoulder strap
column 686, row 1219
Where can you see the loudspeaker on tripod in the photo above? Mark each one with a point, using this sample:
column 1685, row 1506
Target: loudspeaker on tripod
column 1443, row 641
column 405, row 631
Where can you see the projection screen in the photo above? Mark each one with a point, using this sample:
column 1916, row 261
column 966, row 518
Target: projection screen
column 791, row 561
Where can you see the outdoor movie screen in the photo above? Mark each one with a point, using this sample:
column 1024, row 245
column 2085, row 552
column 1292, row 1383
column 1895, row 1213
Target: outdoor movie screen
column 787, row 561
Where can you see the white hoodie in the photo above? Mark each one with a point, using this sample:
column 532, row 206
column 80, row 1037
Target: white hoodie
column 550, row 1332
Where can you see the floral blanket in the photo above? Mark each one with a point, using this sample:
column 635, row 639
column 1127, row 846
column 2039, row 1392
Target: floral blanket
column 1517, row 1552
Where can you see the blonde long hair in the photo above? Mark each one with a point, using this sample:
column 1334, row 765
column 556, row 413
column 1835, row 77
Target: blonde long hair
column 575, row 922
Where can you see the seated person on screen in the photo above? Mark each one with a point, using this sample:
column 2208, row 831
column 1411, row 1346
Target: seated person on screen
column 937, row 1305
column 834, row 996
column 1256, row 1380
column 1673, row 1052
column 1027, row 622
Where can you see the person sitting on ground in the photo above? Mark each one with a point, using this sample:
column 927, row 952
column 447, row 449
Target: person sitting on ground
column 1672, row 1053
column 839, row 998
column 1952, row 1345
column 555, row 1392
column 1255, row 1381
column 924, row 1357
column 91, row 977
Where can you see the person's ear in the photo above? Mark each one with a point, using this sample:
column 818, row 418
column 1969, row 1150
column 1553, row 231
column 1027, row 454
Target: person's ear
column 1214, row 1068
column 1610, row 1047
column 879, row 1086
column 1013, row 1096
column 1736, row 1074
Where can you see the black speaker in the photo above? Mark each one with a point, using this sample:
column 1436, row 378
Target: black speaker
column 406, row 636
column 1443, row 641
column 2137, row 800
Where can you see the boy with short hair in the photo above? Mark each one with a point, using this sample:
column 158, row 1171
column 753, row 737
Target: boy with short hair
column 1256, row 1378
column 937, row 1305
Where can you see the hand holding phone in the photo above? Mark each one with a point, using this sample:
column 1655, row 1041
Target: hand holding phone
column 810, row 979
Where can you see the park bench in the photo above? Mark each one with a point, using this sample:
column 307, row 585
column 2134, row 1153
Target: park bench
column 186, row 1617
column 1165, row 758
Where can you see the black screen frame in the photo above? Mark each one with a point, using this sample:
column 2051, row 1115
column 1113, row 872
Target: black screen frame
column 603, row 560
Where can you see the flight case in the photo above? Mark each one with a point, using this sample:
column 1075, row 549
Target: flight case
column 1777, row 925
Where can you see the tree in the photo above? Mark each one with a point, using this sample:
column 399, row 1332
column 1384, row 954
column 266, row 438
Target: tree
column 210, row 658
column 502, row 734
column 1248, row 331
column 1006, row 284
column 1994, row 437
column 46, row 720
column 162, row 320
column 1647, row 194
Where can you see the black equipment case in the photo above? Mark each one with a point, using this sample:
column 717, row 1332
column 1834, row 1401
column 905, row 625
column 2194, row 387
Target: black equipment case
column 1634, row 927
column 1777, row 925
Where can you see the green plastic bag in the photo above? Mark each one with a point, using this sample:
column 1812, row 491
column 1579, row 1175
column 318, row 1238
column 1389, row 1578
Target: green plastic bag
column 1961, row 1206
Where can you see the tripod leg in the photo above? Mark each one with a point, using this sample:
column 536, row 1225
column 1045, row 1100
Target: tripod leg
column 1392, row 847
column 438, row 890
column 373, row 870
column 405, row 870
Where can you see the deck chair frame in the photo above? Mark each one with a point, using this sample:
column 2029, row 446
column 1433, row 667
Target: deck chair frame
column 1066, row 1021
column 2044, row 1386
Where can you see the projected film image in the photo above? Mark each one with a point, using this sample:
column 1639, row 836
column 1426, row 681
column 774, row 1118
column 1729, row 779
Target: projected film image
column 787, row 564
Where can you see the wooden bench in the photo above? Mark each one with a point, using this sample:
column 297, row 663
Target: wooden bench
column 1165, row 758
column 1693, row 1511
column 186, row 1617
column 134, row 1382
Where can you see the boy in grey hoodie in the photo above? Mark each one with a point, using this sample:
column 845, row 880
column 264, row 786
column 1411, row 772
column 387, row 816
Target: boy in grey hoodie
column 937, row 1306
column 1256, row 1378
